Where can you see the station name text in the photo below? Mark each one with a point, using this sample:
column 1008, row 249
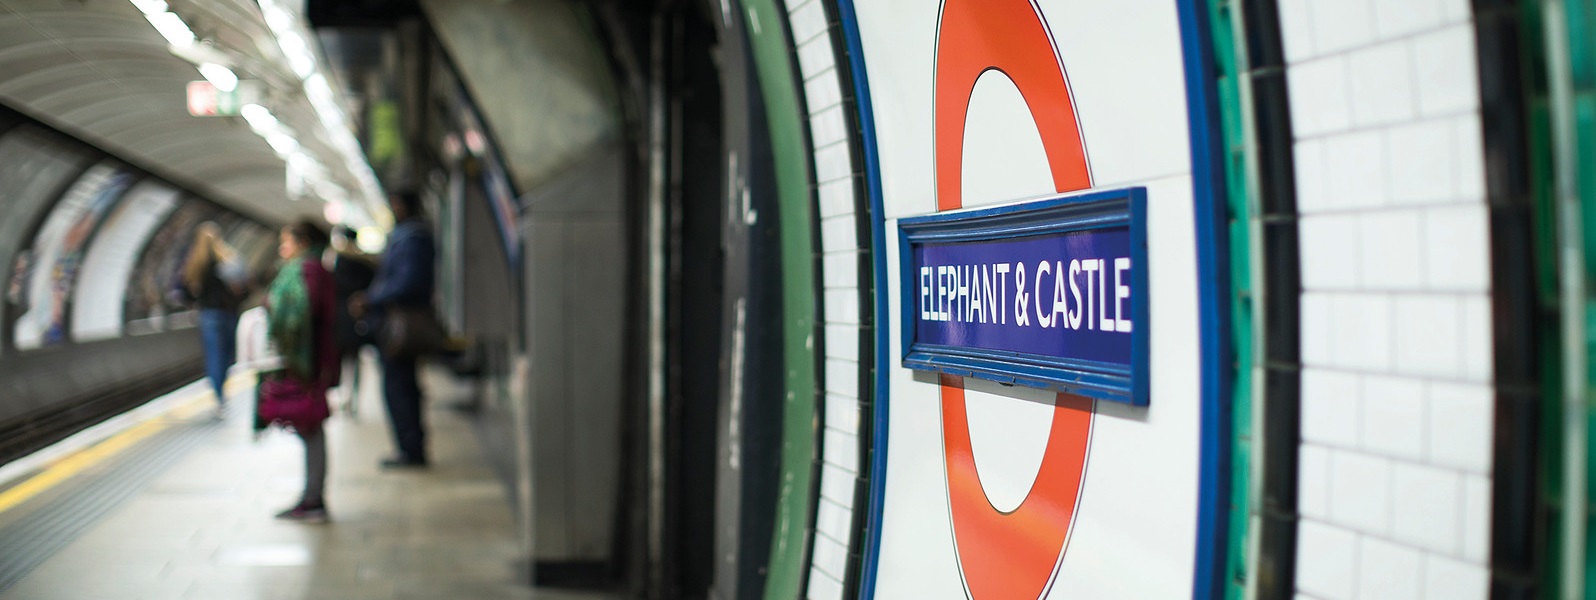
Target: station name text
column 1086, row 294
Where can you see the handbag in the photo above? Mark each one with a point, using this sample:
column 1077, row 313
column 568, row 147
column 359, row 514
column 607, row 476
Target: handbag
column 292, row 402
column 410, row 332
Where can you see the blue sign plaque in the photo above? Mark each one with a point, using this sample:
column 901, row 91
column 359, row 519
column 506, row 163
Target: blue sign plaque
column 1050, row 294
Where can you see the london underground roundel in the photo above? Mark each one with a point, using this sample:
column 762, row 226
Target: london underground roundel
column 1015, row 553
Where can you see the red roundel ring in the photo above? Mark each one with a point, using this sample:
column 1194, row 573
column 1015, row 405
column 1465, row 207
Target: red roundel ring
column 1014, row 554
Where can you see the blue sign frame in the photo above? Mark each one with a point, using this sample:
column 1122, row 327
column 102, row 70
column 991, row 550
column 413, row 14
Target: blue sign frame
column 1090, row 212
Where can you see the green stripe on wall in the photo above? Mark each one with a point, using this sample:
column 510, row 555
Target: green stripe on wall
column 777, row 81
column 1562, row 114
column 1226, row 23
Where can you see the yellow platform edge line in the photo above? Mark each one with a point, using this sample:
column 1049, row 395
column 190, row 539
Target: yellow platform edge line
column 71, row 465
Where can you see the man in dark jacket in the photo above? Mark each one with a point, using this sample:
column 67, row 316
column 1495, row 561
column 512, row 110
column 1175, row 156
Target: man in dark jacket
column 352, row 272
column 405, row 277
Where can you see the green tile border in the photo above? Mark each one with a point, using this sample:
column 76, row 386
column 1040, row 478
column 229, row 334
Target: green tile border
column 778, row 72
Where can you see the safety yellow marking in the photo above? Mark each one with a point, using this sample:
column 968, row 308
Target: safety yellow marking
column 77, row 463
column 80, row 461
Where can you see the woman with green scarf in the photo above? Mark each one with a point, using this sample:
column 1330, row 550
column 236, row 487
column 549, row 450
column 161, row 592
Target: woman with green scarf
column 300, row 310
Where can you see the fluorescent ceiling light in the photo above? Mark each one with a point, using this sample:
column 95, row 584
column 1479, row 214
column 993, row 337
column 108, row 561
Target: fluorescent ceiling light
column 276, row 18
column 319, row 92
column 259, row 118
column 298, row 53
column 301, row 56
column 172, row 28
column 282, row 142
column 219, row 76
column 150, row 7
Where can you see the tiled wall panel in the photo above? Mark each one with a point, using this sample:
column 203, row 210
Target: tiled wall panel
column 842, row 297
column 1394, row 470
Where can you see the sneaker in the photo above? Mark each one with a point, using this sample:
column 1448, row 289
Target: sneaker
column 305, row 513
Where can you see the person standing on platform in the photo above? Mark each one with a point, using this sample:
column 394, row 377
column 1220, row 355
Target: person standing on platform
column 352, row 272
column 300, row 310
column 405, row 277
column 214, row 279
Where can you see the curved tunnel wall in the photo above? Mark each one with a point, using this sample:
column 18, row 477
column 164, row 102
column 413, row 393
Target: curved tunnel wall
column 1392, row 421
column 91, row 247
column 831, row 136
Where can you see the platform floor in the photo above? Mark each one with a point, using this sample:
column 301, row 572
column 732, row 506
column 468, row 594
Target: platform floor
column 204, row 528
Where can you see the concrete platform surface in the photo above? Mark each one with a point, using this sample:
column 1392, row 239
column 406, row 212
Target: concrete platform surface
column 204, row 529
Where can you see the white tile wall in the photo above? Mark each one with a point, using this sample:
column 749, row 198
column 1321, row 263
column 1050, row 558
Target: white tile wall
column 1393, row 417
column 1360, row 491
column 1456, row 246
column 1341, row 24
column 1388, row 571
column 1355, row 165
column 1312, row 185
column 1394, row 469
column 842, row 375
column 1362, row 332
column 1393, row 19
column 808, row 21
column 1313, row 482
column 824, row 586
column 840, row 232
column 1448, row 83
column 1393, row 255
column 1477, row 338
column 1330, row 408
column 836, row 198
column 1471, row 159
column 842, row 414
column 1326, row 559
column 840, row 270
column 1447, row 579
column 1294, row 29
column 1326, row 243
column 842, row 301
column 1424, row 510
column 1314, row 309
column 1428, row 335
column 1476, row 519
column 1382, row 84
column 842, row 306
column 1460, row 416
column 1422, row 162
column 1319, row 96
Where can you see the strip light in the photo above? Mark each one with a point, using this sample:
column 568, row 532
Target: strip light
column 219, row 76
column 150, row 7
column 172, row 28
column 291, row 38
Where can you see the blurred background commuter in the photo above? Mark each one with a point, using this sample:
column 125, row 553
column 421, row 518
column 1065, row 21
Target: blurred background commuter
column 214, row 280
column 405, row 279
column 352, row 272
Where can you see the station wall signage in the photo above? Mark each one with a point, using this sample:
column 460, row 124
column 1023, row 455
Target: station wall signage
column 1050, row 294
column 205, row 100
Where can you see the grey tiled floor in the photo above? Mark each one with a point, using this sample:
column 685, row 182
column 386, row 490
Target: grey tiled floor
column 204, row 529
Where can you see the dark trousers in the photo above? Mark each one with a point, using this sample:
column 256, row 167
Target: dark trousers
column 315, row 466
column 402, row 392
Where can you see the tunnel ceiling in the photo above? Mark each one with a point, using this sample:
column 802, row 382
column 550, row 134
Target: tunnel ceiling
column 561, row 102
column 98, row 70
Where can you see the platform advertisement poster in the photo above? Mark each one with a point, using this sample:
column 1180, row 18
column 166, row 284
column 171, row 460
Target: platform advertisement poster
column 57, row 251
column 1055, row 457
column 98, row 304
column 150, row 300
